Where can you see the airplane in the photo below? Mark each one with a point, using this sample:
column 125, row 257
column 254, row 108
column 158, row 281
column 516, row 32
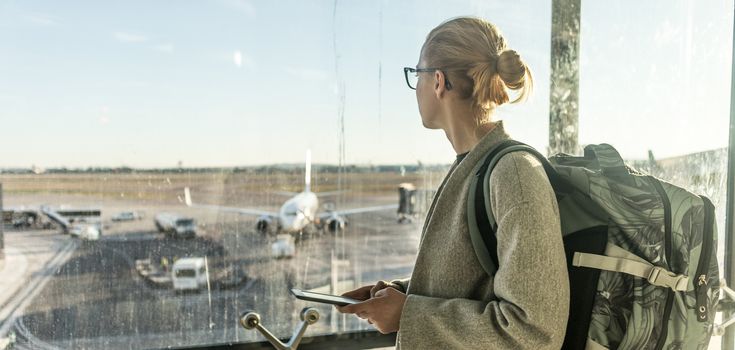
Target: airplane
column 298, row 213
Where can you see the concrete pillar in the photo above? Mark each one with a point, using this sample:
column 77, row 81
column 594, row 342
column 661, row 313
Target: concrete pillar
column 564, row 103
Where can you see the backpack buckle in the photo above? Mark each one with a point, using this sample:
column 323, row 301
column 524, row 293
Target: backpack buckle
column 662, row 277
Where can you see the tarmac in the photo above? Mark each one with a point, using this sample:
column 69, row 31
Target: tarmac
column 31, row 258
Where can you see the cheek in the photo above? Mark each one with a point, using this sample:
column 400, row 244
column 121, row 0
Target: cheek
column 418, row 103
column 426, row 112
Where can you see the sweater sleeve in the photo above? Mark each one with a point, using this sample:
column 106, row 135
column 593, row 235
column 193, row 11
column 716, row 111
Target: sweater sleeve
column 530, row 306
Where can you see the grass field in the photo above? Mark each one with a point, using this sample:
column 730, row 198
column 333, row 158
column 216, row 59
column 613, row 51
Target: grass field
column 226, row 188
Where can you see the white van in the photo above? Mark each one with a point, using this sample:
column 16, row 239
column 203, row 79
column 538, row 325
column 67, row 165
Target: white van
column 88, row 232
column 91, row 233
column 189, row 274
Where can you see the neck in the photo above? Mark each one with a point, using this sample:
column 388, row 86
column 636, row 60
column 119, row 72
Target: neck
column 464, row 133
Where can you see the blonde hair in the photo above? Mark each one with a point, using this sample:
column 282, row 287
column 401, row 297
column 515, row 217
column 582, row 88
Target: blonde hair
column 473, row 55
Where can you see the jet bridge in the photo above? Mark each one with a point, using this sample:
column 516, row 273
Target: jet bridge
column 57, row 218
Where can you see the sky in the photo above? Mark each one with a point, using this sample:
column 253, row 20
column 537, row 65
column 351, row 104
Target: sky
column 237, row 82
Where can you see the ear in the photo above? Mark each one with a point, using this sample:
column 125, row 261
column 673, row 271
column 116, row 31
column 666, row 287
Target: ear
column 440, row 86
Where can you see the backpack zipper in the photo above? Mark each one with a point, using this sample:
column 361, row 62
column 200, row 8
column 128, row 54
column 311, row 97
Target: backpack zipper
column 705, row 256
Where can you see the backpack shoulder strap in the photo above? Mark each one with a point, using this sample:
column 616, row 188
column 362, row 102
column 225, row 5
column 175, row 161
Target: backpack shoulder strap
column 481, row 221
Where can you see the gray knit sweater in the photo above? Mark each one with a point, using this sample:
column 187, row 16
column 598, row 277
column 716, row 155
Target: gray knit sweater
column 452, row 302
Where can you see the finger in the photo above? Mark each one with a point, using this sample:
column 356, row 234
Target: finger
column 355, row 295
column 360, row 290
column 361, row 293
column 382, row 293
column 375, row 288
column 348, row 309
column 377, row 325
column 378, row 286
column 341, row 309
column 363, row 306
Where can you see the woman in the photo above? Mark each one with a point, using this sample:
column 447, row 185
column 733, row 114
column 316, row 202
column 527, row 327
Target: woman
column 450, row 302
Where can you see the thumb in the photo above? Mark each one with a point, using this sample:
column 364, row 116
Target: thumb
column 378, row 286
column 354, row 308
column 347, row 309
column 385, row 292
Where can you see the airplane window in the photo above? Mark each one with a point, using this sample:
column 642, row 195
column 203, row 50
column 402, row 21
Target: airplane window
column 155, row 155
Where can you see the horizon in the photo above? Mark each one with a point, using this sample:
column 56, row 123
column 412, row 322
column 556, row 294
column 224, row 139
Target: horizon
column 289, row 165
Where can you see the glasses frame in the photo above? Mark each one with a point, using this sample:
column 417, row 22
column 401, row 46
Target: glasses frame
column 407, row 70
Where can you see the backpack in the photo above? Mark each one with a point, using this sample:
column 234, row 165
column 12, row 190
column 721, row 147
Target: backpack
column 641, row 252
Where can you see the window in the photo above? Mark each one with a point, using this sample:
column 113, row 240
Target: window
column 655, row 83
column 145, row 107
column 163, row 131
column 185, row 222
column 185, row 273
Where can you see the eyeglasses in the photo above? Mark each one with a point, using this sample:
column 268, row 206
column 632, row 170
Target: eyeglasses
column 412, row 76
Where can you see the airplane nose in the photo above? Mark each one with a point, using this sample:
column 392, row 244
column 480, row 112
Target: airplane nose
column 289, row 224
column 296, row 224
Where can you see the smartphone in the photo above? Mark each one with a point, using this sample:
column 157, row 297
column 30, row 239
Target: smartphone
column 323, row 298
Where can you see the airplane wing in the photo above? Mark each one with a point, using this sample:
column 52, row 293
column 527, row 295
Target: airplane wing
column 362, row 210
column 245, row 211
column 329, row 193
column 285, row 193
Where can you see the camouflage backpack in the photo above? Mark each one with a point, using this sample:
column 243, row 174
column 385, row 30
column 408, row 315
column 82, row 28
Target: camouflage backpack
column 641, row 252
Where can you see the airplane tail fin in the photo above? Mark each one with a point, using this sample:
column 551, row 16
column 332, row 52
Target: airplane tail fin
column 307, row 175
column 187, row 197
column 651, row 158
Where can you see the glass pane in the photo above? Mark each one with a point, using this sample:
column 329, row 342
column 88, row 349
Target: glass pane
column 117, row 116
column 655, row 83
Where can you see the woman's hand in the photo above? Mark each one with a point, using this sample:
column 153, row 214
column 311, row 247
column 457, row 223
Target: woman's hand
column 383, row 310
column 366, row 292
column 382, row 285
column 363, row 293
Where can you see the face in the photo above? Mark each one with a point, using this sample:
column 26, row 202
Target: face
column 426, row 98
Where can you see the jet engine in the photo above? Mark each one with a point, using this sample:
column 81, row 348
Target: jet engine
column 264, row 224
column 335, row 224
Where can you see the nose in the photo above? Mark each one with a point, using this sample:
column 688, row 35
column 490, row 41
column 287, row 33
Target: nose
column 285, row 222
column 296, row 223
column 291, row 223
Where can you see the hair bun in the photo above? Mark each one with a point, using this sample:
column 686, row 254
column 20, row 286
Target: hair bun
column 492, row 71
column 511, row 69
